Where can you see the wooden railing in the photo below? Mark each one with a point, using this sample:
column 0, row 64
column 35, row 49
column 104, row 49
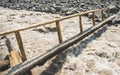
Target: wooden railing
column 57, row 21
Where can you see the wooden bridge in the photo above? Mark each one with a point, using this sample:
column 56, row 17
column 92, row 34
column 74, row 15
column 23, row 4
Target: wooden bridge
column 22, row 65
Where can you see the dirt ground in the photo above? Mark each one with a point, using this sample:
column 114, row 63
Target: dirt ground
column 100, row 52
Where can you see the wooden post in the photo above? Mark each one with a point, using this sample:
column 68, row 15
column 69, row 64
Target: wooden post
column 102, row 15
column 59, row 31
column 80, row 22
column 93, row 18
column 108, row 11
column 20, row 44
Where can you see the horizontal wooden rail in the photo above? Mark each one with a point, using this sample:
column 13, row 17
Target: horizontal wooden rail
column 52, row 21
column 40, row 60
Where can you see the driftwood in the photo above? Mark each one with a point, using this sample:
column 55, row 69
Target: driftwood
column 40, row 60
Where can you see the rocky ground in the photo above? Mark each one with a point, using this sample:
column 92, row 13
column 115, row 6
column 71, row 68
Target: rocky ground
column 63, row 7
column 100, row 51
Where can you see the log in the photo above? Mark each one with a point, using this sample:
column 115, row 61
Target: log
column 41, row 59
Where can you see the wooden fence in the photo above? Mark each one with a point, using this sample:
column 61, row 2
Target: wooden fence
column 57, row 21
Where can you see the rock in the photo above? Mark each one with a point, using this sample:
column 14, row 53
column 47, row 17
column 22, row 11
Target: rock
column 113, row 9
column 116, row 21
column 51, row 29
column 82, row 5
column 99, row 6
column 105, row 14
column 3, row 52
column 41, row 30
column 57, row 8
column 64, row 9
column 117, row 61
column 45, row 29
column 118, row 6
column 105, row 72
column 90, row 63
column 69, row 13
column 90, row 2
column 90, row 16
column 51, row 9
column 2, row 37
column 4, row 65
